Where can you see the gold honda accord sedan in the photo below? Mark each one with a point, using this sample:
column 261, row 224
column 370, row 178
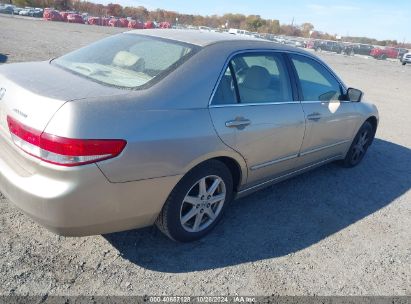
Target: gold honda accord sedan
column 168, row 127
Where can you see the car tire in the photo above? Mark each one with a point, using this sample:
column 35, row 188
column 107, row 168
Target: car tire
column 190, row 212
column 359, row 146
column 318, row 49
column 404, row 63
column 383, row 57
column 352, row 53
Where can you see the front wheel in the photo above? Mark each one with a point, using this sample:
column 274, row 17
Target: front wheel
column 404, row 63
column 359, row 146
column 197, row 203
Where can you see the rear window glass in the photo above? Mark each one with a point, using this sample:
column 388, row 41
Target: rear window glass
column 126, row 60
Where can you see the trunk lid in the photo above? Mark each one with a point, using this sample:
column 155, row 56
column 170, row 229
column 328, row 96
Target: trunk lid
column 33, row 92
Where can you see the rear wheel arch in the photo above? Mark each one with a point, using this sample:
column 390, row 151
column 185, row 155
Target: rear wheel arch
column 234, row 168
column 237, row 170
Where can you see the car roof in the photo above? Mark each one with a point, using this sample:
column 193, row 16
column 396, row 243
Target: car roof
column 205, row 38
column 197, row 37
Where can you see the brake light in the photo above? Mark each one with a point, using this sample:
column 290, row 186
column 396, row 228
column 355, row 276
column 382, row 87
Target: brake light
column 63, row 151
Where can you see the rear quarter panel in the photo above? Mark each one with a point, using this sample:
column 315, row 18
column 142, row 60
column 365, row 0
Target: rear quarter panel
column 159, row 142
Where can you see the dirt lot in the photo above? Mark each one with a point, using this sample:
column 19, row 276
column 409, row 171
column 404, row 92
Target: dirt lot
column 333, row 231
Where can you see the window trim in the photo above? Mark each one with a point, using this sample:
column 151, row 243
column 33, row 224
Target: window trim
column 236, row 89
column 291, row 74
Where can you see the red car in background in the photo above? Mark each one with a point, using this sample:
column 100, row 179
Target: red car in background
column 94, row 21
column 52, row 15
column 113, row 22
column 123, row 22
column 149, row 25
column 64, row 15
column 309, row 44
column 75, row 18
column 388, row 52
column 134, row 24
column 165, row 25
column 98, row 21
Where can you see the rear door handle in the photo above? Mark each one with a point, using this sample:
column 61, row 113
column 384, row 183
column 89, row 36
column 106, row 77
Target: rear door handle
column 314, row 116
column 239, row 123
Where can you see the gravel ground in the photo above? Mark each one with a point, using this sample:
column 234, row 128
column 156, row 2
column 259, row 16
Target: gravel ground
column 332, row 231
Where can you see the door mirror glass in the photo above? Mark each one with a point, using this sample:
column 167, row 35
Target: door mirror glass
column 354, row 95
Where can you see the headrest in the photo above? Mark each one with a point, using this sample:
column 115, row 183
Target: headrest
column 125, row 59
column 257, row 78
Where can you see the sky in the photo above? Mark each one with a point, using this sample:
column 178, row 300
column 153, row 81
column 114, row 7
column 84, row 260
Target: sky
column 381, row 19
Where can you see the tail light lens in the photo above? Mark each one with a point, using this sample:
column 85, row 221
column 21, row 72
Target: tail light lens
column 63, row 151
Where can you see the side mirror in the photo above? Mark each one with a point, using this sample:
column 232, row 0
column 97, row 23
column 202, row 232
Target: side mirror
column 354, row 95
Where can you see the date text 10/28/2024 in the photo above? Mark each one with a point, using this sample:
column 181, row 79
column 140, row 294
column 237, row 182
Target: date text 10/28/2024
column 201, row 299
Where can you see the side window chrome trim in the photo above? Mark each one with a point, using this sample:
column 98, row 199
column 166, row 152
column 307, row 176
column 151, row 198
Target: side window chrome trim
column 232, row 55
column 253, row 104
column 325, row 101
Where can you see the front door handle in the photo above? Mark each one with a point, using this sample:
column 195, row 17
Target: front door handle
column 239, row 123
column 314, row 116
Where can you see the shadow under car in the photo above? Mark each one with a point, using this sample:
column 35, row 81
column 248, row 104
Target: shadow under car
column 281, row 219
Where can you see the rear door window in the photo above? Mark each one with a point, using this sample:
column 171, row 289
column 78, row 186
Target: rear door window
column 255, row 78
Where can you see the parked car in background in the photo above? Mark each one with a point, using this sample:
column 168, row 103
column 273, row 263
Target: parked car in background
column 25, row 12
column 234, row 31
column 75, row 18
column 358, row 49
column 97, row 21
column 401, row 53
column 64, row 15
column 150, row 25
column 37, row 12
column 135, row 24
column 330, row 46
column 388, row 52
column 113, row 22
column 164, row 25
column 406, row 58
column 293, row 42
column 52, row 15
column 377, row 53
column 100, row 140
column 85, row 17
column 17, row 10
column 309, row 44
column 123, row 22
column 6, row 10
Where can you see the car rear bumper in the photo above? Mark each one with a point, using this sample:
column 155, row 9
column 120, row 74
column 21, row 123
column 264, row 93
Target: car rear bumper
column 81, row 201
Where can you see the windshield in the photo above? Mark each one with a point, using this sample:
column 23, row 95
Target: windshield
column 126, row 60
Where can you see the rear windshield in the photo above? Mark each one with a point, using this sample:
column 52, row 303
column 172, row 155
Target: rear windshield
column 126, row 60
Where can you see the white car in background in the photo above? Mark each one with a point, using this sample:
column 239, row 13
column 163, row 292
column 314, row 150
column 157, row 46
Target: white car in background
column 406, row 58
column 234, row 31
column 25, row 12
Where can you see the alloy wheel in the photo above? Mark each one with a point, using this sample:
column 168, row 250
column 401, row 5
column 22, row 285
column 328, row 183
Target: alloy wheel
column 360, row 147
column 203, row 203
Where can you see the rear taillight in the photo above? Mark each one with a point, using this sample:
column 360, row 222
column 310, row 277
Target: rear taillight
column 60, row 150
